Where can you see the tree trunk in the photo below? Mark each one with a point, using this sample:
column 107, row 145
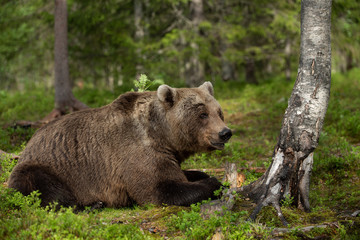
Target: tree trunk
column 139, row 34
column 250, row 76
column 292, row 161
column 194, row 68
column 227, row 69
column 64, row 98
column 287, row 52
column 349, row 62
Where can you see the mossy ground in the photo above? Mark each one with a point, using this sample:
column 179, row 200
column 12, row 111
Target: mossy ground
column 255, row 114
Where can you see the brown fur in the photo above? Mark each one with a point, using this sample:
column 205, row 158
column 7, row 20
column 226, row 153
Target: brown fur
column 128, row 151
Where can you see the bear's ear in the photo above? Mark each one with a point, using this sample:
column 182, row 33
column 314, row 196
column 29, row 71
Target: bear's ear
column 166, row 94
column 208, row 87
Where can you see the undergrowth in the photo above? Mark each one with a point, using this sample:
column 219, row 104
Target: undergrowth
column 255, row 114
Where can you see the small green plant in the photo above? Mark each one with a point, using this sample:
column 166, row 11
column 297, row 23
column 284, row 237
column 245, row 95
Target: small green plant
column 287, row 201
column 6, row 166
column 143, row 83
column 225, row 186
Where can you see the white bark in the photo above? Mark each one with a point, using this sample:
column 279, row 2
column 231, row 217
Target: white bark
column 292, row 163
column 308, row 102
column 278, row 160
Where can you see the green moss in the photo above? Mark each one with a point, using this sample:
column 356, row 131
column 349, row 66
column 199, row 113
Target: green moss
column 255, row 114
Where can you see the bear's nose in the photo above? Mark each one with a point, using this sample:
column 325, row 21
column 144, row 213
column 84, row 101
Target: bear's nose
column 225, row 134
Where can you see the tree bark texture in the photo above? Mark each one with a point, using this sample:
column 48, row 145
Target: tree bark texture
column 64, row 99
column 291, row 166
column 194, row 68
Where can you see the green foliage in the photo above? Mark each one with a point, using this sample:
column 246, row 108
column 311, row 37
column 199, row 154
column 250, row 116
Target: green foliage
column 287, row 201
column 30, row 105
column 336, row 161
column 6, row 166
column 254, row 114
column 144, row 83
column 13, row 139
column 345, row 37
column 22, row 217
column 23, row 43
column 194, row 226
column 103, row 49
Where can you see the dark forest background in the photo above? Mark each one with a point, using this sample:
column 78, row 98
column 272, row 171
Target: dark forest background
column 179, row 42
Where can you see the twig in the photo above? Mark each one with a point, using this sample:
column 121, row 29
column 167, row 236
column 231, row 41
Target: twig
column 256, row 169
column 281, row 231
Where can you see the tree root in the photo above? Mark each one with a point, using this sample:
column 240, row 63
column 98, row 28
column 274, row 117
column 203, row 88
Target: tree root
column 55, row 113
column 226, row 203
column 280, row 231
column 273, row 200
column 64, row 108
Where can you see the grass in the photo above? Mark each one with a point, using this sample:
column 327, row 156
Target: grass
column 255, row 114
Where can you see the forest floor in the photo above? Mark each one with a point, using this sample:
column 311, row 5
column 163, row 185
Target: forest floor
column 254, row 113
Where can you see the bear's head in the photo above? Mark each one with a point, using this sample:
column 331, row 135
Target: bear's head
column 195, row 119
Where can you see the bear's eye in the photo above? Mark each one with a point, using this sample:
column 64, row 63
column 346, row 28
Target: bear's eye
column 221, row 115
column 204, row 115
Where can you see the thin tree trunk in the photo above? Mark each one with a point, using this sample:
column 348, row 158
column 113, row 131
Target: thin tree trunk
column 291, row 168
column 287, row 52
column 139, row 33
column 250, row 76
column 227, row 70
column 64, row 99
column 349, row 62
column 194, row 68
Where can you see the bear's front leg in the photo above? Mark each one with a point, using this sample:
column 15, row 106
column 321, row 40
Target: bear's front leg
column 193, row 176
column 186, row 193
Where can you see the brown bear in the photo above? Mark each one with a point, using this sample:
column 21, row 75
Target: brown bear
column 126, row 152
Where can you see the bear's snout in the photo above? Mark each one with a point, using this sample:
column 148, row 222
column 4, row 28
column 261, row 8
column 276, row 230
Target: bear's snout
column 225, row 134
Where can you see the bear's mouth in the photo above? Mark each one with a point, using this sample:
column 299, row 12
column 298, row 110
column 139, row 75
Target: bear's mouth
column 218, row 145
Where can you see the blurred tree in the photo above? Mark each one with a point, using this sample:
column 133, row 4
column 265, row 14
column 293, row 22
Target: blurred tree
column 139, row 34
column 22, row 45
column 65, row 101
column 285, row 31
column 346, row 34
column 102, row 46
column 287, row 52
column 110, row 41
column 194, row 68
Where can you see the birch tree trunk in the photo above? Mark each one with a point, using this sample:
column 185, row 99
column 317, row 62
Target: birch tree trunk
column 290, row 170
column 64, row 98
